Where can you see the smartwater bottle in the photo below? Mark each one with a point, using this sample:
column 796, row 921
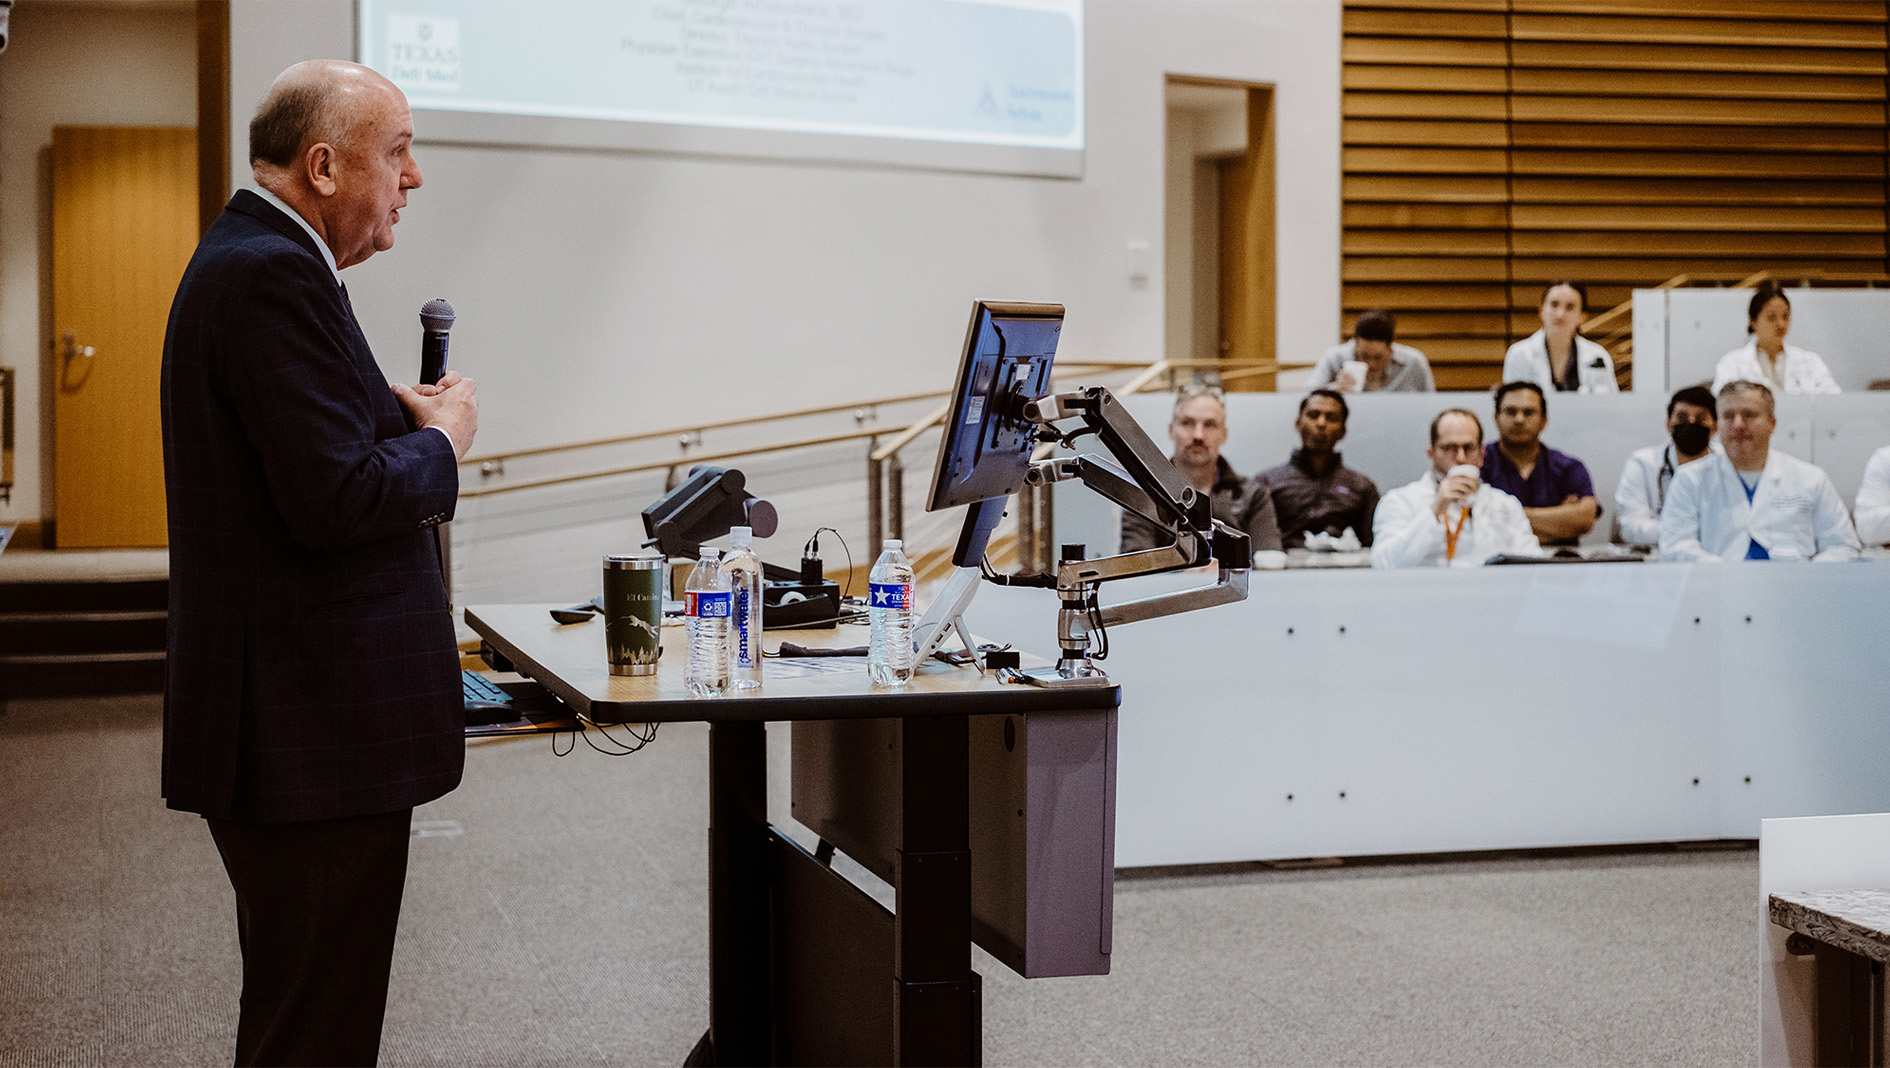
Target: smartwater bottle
column 705, row 600
column 889, row 608
column 742, row 570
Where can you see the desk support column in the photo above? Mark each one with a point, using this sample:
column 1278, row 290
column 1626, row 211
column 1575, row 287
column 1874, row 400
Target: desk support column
column 936, row 1015
column 739, row 1011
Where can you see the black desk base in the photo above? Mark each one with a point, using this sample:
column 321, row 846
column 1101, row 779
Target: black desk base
column 795, row 973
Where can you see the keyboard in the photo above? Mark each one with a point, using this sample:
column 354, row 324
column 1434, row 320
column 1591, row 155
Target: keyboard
column 485, row 702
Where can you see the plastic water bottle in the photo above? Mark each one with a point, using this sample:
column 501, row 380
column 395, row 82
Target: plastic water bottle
column 705, row 600
column 889, row 609
column 742, row 570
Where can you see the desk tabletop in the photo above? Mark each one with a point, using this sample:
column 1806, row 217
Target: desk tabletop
column 568, row 659
column 1856, row 920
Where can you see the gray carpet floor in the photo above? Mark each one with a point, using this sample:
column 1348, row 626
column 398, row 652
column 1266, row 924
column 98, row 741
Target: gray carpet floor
column 555, row 914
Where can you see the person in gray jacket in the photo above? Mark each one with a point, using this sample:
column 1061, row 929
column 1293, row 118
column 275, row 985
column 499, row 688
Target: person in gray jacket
column 1373, row 361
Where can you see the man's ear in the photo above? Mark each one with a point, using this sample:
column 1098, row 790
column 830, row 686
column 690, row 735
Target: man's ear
column 318, row 165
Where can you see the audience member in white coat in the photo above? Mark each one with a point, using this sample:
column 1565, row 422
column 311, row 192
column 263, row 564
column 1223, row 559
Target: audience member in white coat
column 1766, row 359
column 1692, row 416
column 1449, row 517
column 1873, row 500
column 1558, row 357
column 1752, row 502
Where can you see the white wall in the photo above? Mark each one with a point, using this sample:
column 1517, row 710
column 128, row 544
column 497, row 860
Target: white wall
column 1845, row 326
column 68, row 65
column 604, row 292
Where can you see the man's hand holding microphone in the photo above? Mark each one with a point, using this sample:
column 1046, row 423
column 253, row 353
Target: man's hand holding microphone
column 442, row 398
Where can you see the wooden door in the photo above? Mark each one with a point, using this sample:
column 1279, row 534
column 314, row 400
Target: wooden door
column 1248, row 275
column 124, row 207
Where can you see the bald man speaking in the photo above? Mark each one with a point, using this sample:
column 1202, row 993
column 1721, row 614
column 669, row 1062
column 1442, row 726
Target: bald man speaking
column 313, row 694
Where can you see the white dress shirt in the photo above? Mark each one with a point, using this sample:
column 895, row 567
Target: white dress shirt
column 1795, row 513
column 1528, row 361
column 1873, row 500
column 1799, row 371
column 1406, row 533
column 1642, row 492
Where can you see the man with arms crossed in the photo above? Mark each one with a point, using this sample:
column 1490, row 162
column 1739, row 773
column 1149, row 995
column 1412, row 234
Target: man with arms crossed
column 1692, row 416
column 1553, row 487
column 1198, row 429
column 1450, row 517
column 1752, row 502
column 1314, row 491
column 313, row 694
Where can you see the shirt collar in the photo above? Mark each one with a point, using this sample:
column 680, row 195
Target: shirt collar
column 328, row 254
column 1304, row 465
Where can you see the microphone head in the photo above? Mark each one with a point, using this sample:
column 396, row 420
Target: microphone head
column 436, row 316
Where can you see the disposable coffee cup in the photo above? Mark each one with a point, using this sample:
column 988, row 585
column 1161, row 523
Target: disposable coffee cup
column 1357, row 370
column 633, row 612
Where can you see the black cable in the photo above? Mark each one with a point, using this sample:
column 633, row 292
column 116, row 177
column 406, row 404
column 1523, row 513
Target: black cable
column 1094, row 610
column 813, row 545
column 642, row 738
column 570, row 749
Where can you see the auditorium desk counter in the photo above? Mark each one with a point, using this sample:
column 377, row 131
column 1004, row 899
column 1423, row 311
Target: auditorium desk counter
column 803, row 966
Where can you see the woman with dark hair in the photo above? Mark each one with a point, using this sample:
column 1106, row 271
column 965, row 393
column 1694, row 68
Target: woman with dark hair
column 1558, row 357
column 1765, row 358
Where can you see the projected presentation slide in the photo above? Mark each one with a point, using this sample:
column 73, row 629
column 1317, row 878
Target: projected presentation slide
column 814, row 78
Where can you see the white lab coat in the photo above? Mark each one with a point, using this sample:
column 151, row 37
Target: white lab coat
column 1799, row 371
column 1873, row 500
column 1405, row 533
column 1528, row 361
column 1795, row 513
column 1642, row 492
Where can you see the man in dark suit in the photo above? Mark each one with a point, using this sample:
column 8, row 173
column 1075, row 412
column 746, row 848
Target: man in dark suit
column 313, row 695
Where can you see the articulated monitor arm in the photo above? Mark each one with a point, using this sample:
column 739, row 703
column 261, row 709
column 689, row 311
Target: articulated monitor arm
column 1148, row 484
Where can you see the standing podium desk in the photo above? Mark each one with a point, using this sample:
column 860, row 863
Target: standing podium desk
column 806, row 968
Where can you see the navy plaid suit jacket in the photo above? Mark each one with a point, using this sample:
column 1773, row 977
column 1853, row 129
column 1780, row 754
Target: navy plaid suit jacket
column 312, row 670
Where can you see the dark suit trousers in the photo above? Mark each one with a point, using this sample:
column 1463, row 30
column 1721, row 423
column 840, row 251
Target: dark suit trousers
column 317, row 904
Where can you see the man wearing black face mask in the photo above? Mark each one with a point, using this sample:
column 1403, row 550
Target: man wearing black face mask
column 1692, row 416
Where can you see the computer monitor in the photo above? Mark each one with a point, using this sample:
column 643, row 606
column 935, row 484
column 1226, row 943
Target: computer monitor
column 985, row 449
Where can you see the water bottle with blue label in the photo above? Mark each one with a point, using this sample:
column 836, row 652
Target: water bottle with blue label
column 741, row 569
column 889, row 609
column 706, row 602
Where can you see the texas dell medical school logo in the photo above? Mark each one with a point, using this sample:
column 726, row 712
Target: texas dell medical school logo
column 423, row 53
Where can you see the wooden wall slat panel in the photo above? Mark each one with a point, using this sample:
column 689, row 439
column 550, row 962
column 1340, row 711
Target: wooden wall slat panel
column 1864, row 140
column 1694, row 164
column 1433, row 189
column 1441, row 51
column 1425, row 79
column 1672, row 217
column 1695, row 111
column 1433, row 216
column 1425, row 160
column 1415, row 22
column 1492, row 147
column 1400, row 268
column 1784, row 32
column 1766, row 10
column 1426, row 106
column 1615, row 243
column 1664, row 190
column 1540, row 269
column 1419, row 132
column 1727, row 84
column 1777, row 58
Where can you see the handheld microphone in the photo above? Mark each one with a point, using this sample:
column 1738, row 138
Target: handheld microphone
column 436, row 318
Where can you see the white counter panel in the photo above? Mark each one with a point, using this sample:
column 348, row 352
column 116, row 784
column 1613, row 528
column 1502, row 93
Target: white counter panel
column 1502, row 708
